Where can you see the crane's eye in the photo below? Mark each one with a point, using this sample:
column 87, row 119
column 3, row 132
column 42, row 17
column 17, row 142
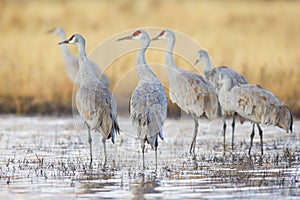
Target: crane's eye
column 136, row 33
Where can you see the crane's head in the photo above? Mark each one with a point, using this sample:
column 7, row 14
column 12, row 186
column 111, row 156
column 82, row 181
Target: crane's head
column 202, row 54
column 74, row 39
column 164, row 35
column 139, row 35
column 57, row 31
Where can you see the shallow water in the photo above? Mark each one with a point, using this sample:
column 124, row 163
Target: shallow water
column 45, row 157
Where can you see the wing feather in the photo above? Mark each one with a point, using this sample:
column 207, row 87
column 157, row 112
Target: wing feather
column 194, row 95
column 148, row 110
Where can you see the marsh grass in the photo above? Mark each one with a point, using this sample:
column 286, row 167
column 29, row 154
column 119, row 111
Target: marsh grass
column 257, row 38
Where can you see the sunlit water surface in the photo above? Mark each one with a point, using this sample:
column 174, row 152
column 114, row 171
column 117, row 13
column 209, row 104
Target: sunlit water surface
column 46, row 157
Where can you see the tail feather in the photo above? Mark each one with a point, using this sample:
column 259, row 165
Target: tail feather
column 291, row 124
column 152, row 140
column 115, row 129
column 161, row 135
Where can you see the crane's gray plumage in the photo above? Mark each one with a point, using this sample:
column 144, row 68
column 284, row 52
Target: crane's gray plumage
column 213, row 74
column 94, row 102
column 190, row 91
column 257, row 105
column 148, row 103
column 72, row 64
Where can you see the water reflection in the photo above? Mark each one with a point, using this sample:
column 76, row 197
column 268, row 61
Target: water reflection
column 47, row 163
column 143, row 187
column 94, row 181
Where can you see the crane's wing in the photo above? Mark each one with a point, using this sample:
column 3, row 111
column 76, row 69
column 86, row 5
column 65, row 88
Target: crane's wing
column 193, row 94
column 260, row 105
column 98, row 109
column 148, row 111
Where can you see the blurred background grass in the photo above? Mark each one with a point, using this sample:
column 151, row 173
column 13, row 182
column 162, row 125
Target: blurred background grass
column 257, row 38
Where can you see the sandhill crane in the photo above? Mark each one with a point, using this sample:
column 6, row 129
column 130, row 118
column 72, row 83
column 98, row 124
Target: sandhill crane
column 190, row 91
column 212, row 74
column 94, row 102
column 71, row 62
column 256, row 104
column 148, row 102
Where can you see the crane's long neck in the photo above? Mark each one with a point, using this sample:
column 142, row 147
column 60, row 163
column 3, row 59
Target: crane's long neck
column 143, row 71
column 169, row 59
column 207, row 65
column 87, row 74
column 227, row 85
column 225, row 96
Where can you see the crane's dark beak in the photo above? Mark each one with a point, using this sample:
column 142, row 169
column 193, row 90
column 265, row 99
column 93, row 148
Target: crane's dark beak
column 196, row 62
column 64, row 42
column 155, row 38
column 129, row 37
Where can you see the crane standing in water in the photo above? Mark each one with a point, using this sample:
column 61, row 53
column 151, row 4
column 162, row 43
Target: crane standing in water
column 148, row 102
column 212, row 74
column 94, row 101
column 256, row 104
column 190, row 91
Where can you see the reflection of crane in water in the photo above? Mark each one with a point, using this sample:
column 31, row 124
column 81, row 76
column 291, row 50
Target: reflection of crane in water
column 148, row 103
column 192, row 93
column 71, row 62
column 94, row 102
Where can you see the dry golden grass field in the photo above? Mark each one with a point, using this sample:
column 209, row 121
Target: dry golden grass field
column 260, row 39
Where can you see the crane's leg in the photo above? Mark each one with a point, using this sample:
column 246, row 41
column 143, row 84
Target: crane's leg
column 251, row 139
column 143, row 151
column 224, row 134
column 192, row 149
column 156, row 145
column 104, row 147
column 233, row 126
column 261, row 138
column 90, row 143
column 156, row 159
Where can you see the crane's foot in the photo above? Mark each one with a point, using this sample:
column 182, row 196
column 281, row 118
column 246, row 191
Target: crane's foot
column 104, row 164
column 260, row 162
column 91, row 165
column 192, row 151
column 194, row 157
column 232, row 157
column 192, row 148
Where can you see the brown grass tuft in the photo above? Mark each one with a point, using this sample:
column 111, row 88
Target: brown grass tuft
column 258, row 38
